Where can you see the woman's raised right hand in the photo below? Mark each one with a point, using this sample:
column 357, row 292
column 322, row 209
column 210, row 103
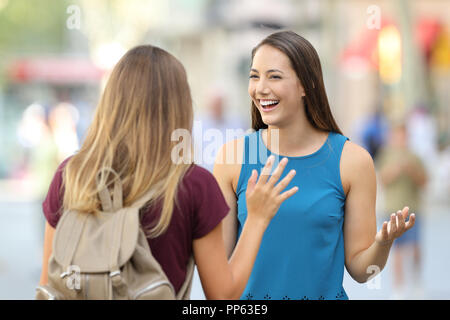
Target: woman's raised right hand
column 264, row 195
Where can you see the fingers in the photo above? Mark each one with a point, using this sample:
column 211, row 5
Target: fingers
column 264, row 179
column 265, row 172
column 412, row 218
column 410, row 223
column 396, row 225
column 384, row 230
column 400, row 222
column 278, row 171
column 288, row 194
column 284, row 183
column 393, row 224
column 405, row 212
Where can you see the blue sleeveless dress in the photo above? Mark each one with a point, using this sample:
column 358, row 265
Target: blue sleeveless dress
column 302, row 251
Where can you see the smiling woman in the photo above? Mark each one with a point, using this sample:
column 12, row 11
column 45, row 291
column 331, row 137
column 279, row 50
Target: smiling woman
column 330, row 222
column 289, row 67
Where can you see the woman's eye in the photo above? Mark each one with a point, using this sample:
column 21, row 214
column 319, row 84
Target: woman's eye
column 253, row 76
column 275, row 77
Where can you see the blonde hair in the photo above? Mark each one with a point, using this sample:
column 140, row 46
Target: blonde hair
column 146, row 98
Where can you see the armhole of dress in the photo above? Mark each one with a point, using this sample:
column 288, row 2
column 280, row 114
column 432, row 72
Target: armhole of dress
column 341, row 185
column 244, row 161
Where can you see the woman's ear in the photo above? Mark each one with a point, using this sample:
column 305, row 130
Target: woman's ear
column 301, row 89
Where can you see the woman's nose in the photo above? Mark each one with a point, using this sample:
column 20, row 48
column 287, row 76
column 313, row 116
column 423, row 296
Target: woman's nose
column 262, row 87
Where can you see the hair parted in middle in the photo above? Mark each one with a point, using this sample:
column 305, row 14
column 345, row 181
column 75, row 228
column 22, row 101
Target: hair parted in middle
column 306, row 64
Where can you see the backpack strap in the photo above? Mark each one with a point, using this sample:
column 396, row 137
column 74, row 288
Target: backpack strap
column 117, row 202
column 114, row 269
column 113, row 205
column 72, row 239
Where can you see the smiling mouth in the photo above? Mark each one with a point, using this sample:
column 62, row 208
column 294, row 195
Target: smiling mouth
column 268, row 105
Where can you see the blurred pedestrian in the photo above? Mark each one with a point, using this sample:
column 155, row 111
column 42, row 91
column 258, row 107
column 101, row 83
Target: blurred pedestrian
column 35, row 135
column 214, row 127
column 374, row 133
column 63, row 121
column 403, row 177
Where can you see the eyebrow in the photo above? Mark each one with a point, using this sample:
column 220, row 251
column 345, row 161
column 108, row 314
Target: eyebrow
column 268, row 71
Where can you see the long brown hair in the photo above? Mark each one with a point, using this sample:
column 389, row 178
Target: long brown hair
column 306, row 64
column 146, row 98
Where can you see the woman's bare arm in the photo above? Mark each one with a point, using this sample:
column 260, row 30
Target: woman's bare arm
column 223, row 279
column 48, row 241
column 366, row 248
column 227, row 168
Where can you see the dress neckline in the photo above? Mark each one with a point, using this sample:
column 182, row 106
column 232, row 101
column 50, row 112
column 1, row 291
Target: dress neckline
column 262, row 144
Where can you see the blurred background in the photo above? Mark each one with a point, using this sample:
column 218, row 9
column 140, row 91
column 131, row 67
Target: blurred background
column 386, row 65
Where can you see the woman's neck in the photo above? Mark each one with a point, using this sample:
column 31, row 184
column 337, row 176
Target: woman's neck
column 295, row 140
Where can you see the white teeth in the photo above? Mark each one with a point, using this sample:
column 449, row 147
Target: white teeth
column 268, row 102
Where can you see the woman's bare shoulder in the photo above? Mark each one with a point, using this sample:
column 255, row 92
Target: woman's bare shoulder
column 356, row 162
column 356, row 155
column 229, row 160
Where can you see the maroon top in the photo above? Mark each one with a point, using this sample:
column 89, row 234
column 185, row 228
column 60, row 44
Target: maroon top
column 201, row 208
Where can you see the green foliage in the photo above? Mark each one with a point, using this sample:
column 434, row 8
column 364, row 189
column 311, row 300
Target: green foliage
column 33, row 26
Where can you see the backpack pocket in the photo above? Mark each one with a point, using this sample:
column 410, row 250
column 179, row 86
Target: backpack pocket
column 160, row 290
column 47, row 293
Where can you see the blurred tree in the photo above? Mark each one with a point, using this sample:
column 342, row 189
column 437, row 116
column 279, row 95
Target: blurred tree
column 32, row 26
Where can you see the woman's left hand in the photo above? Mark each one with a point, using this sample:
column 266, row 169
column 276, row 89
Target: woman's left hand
column 395, row 227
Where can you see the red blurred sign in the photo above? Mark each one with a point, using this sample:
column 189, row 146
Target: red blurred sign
column 364, row 48
column 54, row 70
column 427, row 32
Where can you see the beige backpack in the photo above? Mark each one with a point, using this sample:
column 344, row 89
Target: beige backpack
column 107, row 256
